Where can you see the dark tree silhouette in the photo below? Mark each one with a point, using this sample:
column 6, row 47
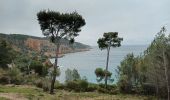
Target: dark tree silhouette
column 108, row 40
column 58, row 25
column 7, row 54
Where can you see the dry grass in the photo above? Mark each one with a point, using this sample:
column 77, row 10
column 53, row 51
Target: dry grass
column 12, row 96
column 12, row 92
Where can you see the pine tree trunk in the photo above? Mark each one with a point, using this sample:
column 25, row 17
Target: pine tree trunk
column 166, row 74
column 157, row 86
column 107, row 62
column 156, row 80
column 55, row 69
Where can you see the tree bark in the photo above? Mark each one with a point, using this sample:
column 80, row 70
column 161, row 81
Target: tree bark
column 55, row 69
column 166, row 75
column 107, row 62
column 157, row 84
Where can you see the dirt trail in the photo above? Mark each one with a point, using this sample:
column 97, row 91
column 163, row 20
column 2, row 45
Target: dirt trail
column 13, row 96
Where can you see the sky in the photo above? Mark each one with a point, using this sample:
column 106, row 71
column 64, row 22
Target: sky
column 137, row 21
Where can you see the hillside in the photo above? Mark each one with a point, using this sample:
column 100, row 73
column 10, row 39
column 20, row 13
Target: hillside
column 42, row 45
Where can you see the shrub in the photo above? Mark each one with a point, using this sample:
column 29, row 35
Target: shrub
column 2, row 72
column 101, row 85
column 13, row 72
column 111, row 89
column 72, row 85
column 108, row 91
column 4, row 80
column 77, row 85
column 83, row 84
column 46, row 86
column 124, row 85
column 72, row 75
column 39, row 68
column 92, row 87
column 17, row 80
column 31, row 79
column 15, row 76
column 39, row 83
column 148, row 89
column 100, row 74
column 163, row 92
column 59, row 85
column 43, row 83
column 102, row 90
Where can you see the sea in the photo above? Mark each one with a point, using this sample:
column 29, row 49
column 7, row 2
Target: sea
column 86, row 62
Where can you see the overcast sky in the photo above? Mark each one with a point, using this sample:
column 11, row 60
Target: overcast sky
column 137, row 21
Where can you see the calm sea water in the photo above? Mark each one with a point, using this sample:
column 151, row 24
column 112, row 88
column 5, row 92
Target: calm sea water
column 86, row 62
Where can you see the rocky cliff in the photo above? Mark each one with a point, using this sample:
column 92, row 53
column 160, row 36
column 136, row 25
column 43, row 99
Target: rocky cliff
column 42, row 45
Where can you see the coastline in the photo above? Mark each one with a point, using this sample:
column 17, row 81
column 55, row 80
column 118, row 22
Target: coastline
column 73, row 51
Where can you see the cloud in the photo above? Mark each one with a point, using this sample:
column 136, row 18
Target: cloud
column 137, row 21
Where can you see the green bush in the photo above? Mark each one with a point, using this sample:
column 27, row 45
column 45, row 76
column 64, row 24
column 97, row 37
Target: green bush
column 83, row 84
column 102, row 85
column 15, row 76
column 124, row 85
column 11, row 76
column 102, row 90
column 108, row 91
column 18, row 80
column 14, row 72
column 31, row 79
column 72, row 85
column 39, row 68
column 7, row 53
column 111, row 89
column 77, row 85
column 43, row 83
column 92, row 87
column 59, row 85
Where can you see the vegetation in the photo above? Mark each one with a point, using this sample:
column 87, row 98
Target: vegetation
column 19, row 43
column 100, row 74
column 33, row 93
column 6, row 53
column 147, row 73
column 72, row 75
column 14, row 66
column 57, row 25
column 25, row 74
column 109, row 39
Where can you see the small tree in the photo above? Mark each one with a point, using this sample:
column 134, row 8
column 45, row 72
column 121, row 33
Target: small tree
column 160, row 49
column 129, row 75
column 100, row 74
column 75, row 74
column 72, row 75
column 68, row 74
column 59, row 26
column 108, row 40
column 7, row 54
